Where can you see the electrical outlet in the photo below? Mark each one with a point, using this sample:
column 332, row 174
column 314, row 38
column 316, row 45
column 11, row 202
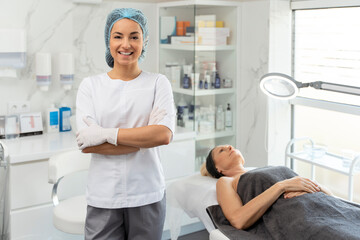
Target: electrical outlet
column 15, row 107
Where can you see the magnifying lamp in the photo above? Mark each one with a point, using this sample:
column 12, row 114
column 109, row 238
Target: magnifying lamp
column 281, row 86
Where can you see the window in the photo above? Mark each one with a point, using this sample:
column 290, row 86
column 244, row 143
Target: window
column 326, row 48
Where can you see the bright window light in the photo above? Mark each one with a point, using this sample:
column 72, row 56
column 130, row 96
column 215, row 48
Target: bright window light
column 326, row 48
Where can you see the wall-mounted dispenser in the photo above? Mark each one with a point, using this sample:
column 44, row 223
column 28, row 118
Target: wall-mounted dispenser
column 12, row 51
column 43, row 70
column 66, row 69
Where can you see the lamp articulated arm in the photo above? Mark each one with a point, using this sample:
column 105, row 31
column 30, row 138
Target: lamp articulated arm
column 336, row 87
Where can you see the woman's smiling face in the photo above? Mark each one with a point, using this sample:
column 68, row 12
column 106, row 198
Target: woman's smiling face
column 226, row 156
column 126, row 42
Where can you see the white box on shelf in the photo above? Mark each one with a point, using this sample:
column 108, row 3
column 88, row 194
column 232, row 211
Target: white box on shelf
column 214, row 31
column 188, row 40
column 218, row 41
column 205, row 20
column 175, row 75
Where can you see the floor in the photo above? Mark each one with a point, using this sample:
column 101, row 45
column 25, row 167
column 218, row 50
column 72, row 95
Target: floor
column 201, row 235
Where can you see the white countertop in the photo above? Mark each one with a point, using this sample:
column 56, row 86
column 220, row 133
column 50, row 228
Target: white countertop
column 32, row 148
column 38, row 147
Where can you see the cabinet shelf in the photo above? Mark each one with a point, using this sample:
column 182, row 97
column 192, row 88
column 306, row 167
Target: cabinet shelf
column 204, row 92
column 215, row 135
column 197, row 47
column 201, row 103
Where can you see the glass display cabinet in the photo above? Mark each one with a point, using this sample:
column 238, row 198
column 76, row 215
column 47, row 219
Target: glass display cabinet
column 198, row 53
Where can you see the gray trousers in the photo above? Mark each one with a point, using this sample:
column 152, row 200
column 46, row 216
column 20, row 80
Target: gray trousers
column 137, row 223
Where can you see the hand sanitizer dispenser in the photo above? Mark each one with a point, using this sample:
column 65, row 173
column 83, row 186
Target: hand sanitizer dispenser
column 43, row 70
column 66, row 69
column 12, row 51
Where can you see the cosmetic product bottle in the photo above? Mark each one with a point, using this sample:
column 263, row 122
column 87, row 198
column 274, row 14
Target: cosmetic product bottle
column 228, row 118
column 186, row 81
column 188, row 124
column 180, row 122
column 217, row 80
column 52, row 119
column 192, row 110
column 182, row 104
column 207, row 81
column 182, row 111
column 212, row 79
column 65, row 114
column 201, row 84
column 220, row 119
column 206, row 84
column 227, row 83
column 212, row 117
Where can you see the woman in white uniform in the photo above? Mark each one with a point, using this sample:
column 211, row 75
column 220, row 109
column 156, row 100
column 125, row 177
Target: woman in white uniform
column 122, row 117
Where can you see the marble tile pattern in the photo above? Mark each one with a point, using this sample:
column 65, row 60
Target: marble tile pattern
column 251, row 109
column 62, row 26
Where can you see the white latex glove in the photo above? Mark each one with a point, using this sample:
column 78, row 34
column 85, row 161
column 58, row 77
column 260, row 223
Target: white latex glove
column 95, row 135
column 156, row 116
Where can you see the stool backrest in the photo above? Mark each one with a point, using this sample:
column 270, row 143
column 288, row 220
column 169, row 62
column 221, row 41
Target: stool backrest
column 66, row 163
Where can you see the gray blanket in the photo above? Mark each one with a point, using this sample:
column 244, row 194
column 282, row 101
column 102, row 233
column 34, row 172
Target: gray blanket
column 310, row 216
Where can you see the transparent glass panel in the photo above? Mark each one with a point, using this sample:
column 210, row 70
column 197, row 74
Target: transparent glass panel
column 199, row 59
column 177, row 54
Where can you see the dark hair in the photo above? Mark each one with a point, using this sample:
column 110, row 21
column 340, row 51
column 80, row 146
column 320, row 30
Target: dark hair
column 210, row 166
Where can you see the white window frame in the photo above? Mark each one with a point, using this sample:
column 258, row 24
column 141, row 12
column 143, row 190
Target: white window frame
column 312, row 4
column 327, row 105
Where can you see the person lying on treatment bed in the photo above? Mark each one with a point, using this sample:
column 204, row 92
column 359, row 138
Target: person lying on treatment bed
column 275, row 203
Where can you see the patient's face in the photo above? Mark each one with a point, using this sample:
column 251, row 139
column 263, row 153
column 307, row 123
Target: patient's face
column 226, row 156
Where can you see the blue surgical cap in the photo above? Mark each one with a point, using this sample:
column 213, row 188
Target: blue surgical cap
column 129, row 13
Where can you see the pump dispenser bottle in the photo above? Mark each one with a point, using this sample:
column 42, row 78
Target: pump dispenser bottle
column 228, row 118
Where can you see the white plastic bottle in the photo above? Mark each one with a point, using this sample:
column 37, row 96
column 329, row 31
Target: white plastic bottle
column 228, row 118
column 212, row 118
column 220, row 119
column 52, row 119
column 64, row 115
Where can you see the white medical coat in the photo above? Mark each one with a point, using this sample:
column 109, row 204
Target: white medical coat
column 133, row 179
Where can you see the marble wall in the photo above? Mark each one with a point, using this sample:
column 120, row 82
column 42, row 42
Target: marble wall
column 62, row 26
column 254, row 56
column 280, row 60
column 264, row 125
